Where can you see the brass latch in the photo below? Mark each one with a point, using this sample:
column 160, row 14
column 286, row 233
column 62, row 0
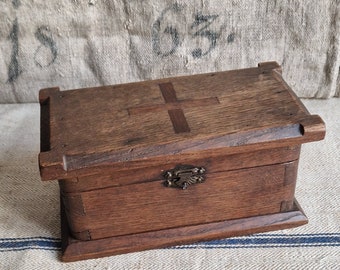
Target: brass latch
column 184, row 175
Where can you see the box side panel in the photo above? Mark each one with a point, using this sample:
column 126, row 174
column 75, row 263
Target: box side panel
column 290, row 177
column 151, row 206
column 45, row 125
column 110, row 178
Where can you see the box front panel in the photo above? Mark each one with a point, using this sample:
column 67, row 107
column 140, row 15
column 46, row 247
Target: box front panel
column 151, row 206
column 109, row 177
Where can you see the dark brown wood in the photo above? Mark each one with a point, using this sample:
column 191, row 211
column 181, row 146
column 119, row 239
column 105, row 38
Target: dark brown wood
column 168, row 92
column 178, row 121
column 74, row 250
column 174, row 107
column 113, row 177
column 253, row 108
column 44, row 123
column 171, row 106
column 150, row 205
column 111, row 147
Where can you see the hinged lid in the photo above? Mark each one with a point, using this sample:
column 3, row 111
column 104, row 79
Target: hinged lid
column 126, row 125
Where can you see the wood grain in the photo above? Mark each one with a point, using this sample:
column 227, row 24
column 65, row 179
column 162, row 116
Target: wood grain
column 252, row 103
column 73, row 250
column 152, row 206
column 109, row 147
column 111, row 177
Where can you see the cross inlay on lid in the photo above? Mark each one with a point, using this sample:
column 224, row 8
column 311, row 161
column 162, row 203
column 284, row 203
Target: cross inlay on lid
column 174, row 107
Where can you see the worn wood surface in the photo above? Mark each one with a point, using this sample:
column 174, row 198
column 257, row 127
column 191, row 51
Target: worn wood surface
column 213, row 163
column 74, row 250
column 109, row 146
column 133, row 125
column 152, row 206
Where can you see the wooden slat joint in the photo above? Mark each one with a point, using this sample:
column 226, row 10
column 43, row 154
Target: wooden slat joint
column 313, row 126
column 290, row 173
column 46, row 93
column 286, row 206
column 74, row 204
column 83, row 236
column 266, row 67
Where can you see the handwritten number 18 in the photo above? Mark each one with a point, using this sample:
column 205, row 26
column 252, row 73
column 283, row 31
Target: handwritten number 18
column 44, row 36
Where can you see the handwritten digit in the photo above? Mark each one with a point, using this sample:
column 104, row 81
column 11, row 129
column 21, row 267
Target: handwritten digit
column 231, row 38
column 16, row 3
column 171, row 30
column 206, row 20
column 13, row 68
column 44, row 35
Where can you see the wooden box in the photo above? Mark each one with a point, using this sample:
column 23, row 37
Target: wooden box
column 172, row 161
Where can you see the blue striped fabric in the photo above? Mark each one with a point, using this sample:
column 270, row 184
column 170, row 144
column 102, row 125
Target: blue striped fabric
column 271, row 241
column 252, row 241
column 17, row 244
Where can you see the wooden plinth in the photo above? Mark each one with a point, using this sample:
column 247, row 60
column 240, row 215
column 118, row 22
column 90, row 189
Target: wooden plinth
column 74, row 250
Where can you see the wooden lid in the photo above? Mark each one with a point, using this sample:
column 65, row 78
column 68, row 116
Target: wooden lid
column 123, row 124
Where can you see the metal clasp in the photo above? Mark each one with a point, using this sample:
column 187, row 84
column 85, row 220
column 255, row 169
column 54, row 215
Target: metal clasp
column 184, row 175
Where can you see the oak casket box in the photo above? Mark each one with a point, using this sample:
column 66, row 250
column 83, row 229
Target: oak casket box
column 172, row 161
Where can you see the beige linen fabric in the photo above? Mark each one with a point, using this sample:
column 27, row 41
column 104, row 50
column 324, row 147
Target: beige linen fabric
column 29, row 210
column 76, row 44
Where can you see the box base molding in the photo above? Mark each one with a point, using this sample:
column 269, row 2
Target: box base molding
column 74, row 250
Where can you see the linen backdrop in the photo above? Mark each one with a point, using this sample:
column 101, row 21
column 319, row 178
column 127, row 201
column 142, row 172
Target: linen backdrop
column 76, row 44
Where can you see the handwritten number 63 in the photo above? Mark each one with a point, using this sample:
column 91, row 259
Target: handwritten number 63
column 200, row 28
